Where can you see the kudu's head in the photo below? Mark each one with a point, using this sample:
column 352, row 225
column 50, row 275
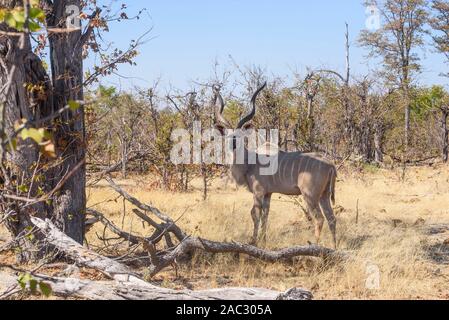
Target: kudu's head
column 222, row 125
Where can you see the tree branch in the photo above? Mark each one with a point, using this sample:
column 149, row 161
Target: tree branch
column 166, row 259
column 127, row 284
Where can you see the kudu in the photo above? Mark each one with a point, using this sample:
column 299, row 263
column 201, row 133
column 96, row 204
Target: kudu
column 298, row 174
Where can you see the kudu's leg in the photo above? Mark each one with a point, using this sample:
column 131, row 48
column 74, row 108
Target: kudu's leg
column 317, row 216
column 307, row 214
column 256, row 214
column 330, row 216
column 264, row 217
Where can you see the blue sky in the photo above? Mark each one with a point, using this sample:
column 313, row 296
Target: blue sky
column 281, row 36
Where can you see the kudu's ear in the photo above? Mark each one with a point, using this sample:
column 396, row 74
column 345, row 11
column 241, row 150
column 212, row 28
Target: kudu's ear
column 248, row 127
column 220, row 128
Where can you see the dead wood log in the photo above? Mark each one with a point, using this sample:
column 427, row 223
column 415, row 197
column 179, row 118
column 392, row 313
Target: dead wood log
column 162, row 260
column 128, row 284
column 82, row 256
column 120, row 290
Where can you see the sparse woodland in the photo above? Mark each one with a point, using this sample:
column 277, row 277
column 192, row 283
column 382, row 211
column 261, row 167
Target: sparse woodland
column 66, row 138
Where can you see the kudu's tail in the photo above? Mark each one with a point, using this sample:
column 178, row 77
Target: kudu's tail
column 332, row 182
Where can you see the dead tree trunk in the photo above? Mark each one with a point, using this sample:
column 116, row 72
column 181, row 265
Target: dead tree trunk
column 67, row 77
column 124, row 156
column 349, row 110
column 379, row 132
column 130, row 285
column 445, row 134
column 19, row 66
column 312, row 86
column 407, row 109
column 130, row 290
column 364, row 142
column 311, row 122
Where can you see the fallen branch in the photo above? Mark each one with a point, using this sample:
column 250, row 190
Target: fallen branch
column 161, row 260
column 128, row 284
column 164, row 260
column 137, row 203
column 161, row 229
column 81, row 255
column 180, row 235
column 115, row 290
column 112, row 227
column 411, row 161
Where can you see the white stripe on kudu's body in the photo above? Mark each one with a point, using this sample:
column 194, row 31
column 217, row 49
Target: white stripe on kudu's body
column 298, row 173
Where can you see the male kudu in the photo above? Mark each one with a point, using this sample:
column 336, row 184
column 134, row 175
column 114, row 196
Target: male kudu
column 298, row 174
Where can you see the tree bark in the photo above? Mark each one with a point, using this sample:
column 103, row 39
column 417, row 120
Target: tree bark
column 67, row 77
column 407, row 125
column 378, row 143
column 445, row 134
column 20, row 66
column 405, row 85
column 311, row 122
column 18, row 62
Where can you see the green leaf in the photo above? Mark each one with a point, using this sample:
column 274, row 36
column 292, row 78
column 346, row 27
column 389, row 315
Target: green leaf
column 45, row 65
column 46, row 134
column 30, row 237
column 37, row 13
column 73, row 105
column 10, row 21
column 3, row 13
column 45, row 289
column 19, row 16
column 23, row 188
column 34, row 26
column 33, row 286
column 23, row 280
column 37, row 135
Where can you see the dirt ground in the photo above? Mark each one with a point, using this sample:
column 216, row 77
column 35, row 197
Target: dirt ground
column 399, row 247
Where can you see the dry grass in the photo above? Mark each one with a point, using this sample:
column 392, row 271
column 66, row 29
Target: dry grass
column 392, row 234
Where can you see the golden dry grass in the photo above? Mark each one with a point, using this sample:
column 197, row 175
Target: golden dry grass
column 392, row 234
